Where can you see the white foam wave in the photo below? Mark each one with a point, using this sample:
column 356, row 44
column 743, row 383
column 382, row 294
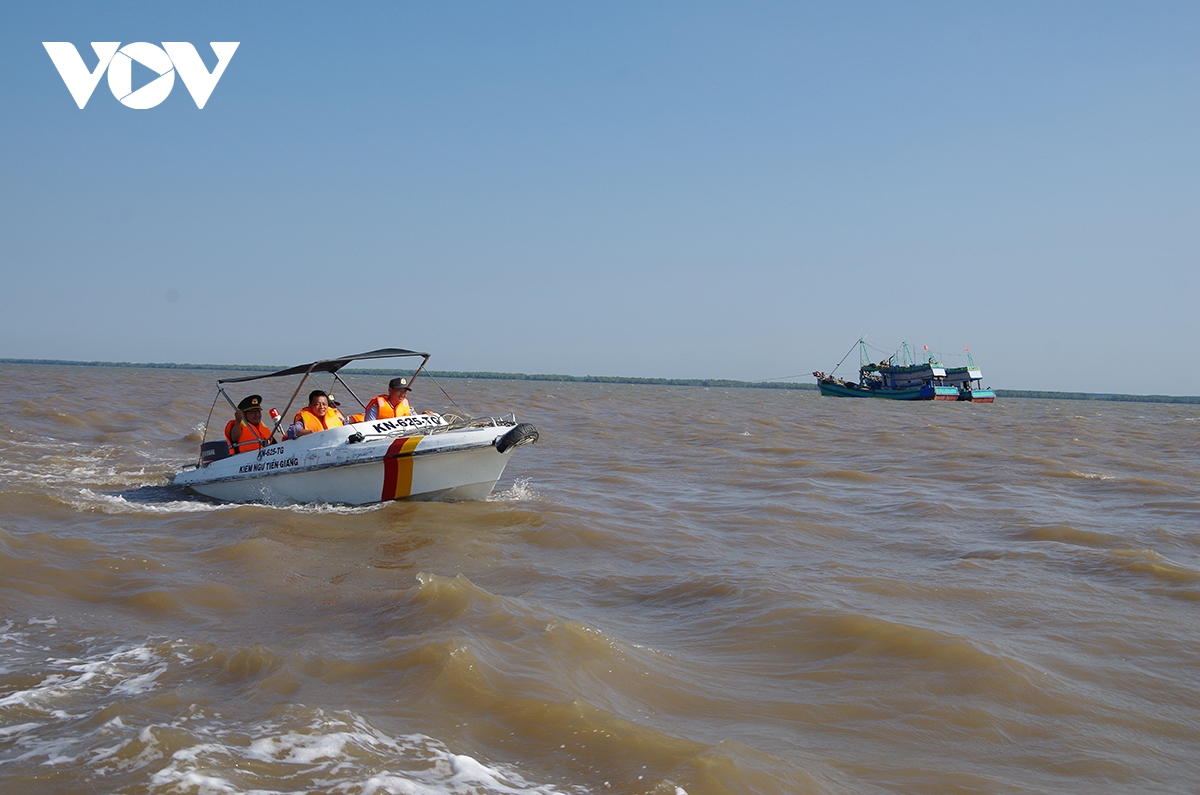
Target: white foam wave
column 297, row 750
column 1092, row 475
column 337, row 752
column 88, row 500
column 86, row 469
column 118, row 504
column 330, row 508
column 520, row 491
column 20, row 728
column 114, row 674
column 43, row 720
column 69, row 465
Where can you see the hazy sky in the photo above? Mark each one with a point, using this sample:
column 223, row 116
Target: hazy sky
column 728, row 190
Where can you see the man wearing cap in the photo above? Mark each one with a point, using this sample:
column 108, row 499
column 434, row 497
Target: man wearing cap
column 316, row 416
column 393, row 404
column 245, row 431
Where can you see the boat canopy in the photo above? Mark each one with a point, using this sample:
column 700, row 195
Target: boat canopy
column 328, row 365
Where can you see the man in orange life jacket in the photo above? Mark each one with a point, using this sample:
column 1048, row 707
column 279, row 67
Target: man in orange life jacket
column 316, row 416
column 335, row 408
column 245, row 431
column 393, row 404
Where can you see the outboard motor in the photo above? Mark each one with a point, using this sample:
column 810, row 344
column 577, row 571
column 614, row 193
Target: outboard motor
column 213, row 451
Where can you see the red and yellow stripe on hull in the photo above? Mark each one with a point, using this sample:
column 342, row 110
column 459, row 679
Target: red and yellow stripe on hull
column 398, row 468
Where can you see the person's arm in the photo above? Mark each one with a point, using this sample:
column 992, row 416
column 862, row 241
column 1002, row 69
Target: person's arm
column 297, row 430
column 372, row 411
column 266, row 437
column 235, row 435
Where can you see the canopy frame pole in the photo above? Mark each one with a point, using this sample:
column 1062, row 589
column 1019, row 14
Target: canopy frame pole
column 299, row 386
column 225, row 395
column 418, row 372
column 338, row 378
column 447, row 394
column 207, row 422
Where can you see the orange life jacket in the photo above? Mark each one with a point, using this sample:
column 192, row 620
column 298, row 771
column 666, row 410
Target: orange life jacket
column 386, row 412
column 314, row 423
column 251, row 437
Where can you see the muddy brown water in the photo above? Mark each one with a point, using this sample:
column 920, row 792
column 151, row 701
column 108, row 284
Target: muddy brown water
column 677, row 590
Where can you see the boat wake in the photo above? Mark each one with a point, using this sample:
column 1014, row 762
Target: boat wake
column 165, row 499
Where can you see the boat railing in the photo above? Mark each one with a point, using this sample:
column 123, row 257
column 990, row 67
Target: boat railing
column 503, row 421
column 458, row 423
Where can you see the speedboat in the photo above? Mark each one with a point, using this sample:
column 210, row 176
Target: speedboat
column 421, row 457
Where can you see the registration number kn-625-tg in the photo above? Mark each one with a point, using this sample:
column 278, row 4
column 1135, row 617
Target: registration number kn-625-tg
column 401, row 423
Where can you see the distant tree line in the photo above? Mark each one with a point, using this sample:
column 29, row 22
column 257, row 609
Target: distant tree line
column 589, row 379
column 619, row 379
column 1033, row 393
column 609, row 379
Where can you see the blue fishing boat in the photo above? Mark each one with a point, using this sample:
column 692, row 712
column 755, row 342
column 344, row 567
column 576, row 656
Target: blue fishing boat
column 968, row 380
column 903, row 380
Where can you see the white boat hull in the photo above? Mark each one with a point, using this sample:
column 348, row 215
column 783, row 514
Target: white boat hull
column 425, row 462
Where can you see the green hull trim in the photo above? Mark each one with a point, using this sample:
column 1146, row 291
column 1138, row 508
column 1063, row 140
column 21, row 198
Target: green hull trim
column 837, row 390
